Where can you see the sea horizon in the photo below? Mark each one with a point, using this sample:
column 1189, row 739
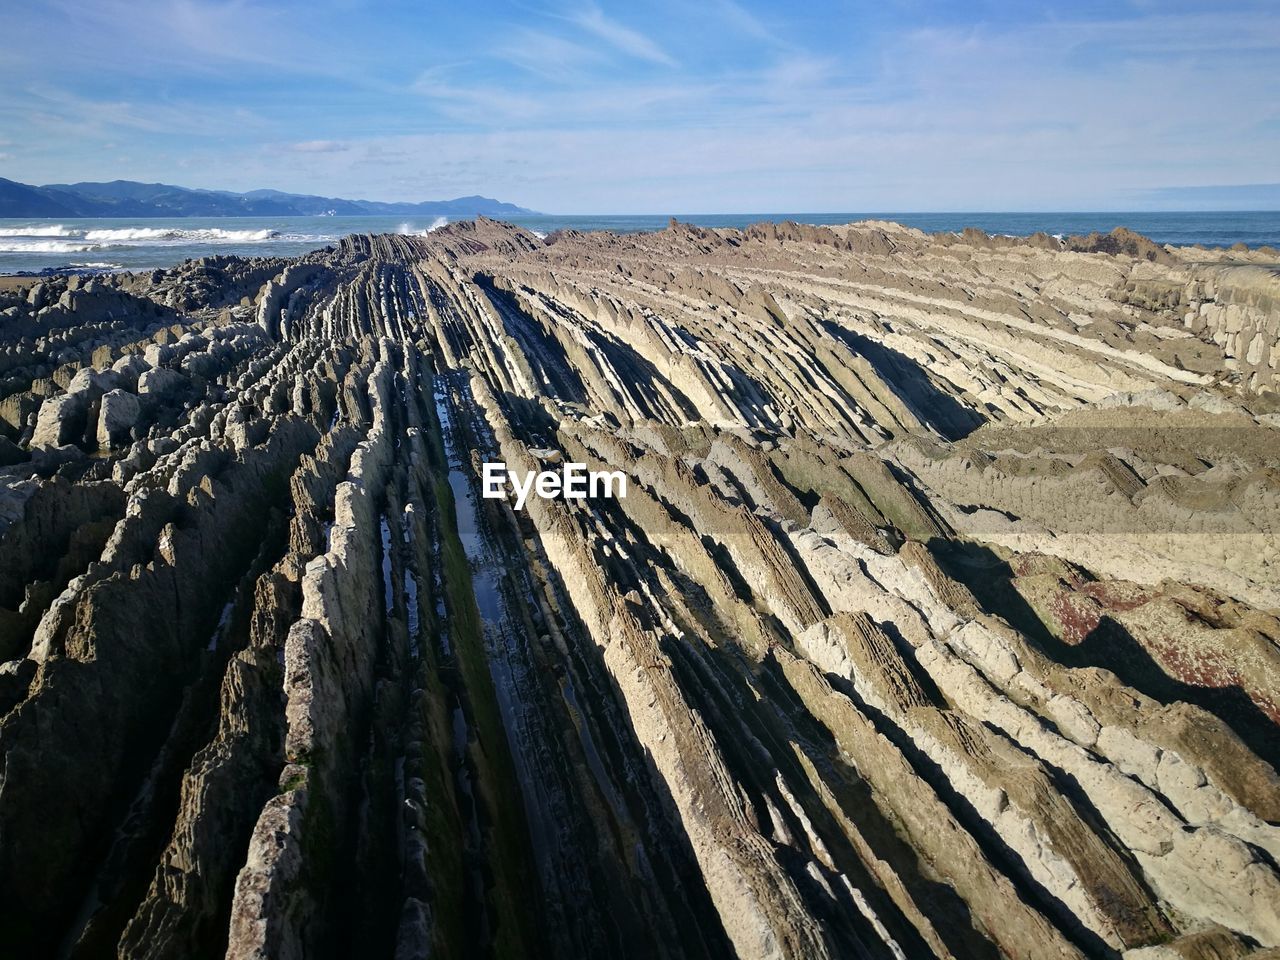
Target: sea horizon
column 42, row 245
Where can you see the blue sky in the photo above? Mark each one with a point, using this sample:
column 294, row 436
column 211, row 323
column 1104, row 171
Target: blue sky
column 580, row 106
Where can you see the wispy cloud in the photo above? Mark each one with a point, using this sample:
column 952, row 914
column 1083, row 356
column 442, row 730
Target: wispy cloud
column 319, row 146
column 198, row 33
column 54, row 107
column 620, row 37
column 475, row 103
column 547, row 55
column 176, row 41
column 663, row 106
column 740, row 18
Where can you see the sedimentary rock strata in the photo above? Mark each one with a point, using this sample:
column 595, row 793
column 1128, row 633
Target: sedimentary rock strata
column 941, row 617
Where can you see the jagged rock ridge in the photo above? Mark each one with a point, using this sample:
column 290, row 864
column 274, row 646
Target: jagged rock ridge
column 940, row 619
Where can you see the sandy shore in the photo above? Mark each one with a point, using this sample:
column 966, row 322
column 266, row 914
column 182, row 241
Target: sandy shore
column 15, row 283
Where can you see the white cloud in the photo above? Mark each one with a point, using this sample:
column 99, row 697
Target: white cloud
column 476, row 104
column 55, row 108
column 319, row 146
column 623, row 38
column 547, row 55
column 1055, row 113
column 744, row 20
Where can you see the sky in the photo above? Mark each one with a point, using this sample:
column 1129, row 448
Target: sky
column 716, row 106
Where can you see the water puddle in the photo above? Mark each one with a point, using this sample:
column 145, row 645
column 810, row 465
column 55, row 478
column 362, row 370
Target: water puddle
column 388, row 590
column 484, row 578
column 503, row 643
column 533, row 728
column 467, row 808
column 410, row 583
column 220, row 630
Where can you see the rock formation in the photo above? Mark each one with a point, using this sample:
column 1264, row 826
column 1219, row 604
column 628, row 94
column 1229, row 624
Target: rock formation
column 941, row 617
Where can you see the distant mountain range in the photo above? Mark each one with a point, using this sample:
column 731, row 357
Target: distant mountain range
column 127, row 198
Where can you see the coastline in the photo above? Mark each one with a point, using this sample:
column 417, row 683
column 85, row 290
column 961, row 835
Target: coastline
column 914, row 527
column 86, row 246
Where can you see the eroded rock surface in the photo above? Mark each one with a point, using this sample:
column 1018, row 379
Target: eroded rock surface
column 941, row 618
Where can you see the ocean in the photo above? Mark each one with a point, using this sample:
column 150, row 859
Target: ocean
column 136, row 244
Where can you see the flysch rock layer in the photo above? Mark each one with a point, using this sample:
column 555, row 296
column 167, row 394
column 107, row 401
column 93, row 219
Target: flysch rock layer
column 941, row 617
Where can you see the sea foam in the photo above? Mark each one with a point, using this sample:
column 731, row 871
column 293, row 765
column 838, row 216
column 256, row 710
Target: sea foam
column 19, row 245
column 409, row 230
column 43, row 230
column 172, row 235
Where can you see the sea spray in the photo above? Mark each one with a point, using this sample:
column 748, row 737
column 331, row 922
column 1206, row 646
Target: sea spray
column 409, row 230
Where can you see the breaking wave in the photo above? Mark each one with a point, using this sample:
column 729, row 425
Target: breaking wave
column 172, row 235
column 45, row 246
column 128, row 243
column 59, row 239
column 44, row 230
column 409, row 230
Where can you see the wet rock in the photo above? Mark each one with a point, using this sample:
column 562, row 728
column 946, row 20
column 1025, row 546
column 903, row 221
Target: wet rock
column 939, row 618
